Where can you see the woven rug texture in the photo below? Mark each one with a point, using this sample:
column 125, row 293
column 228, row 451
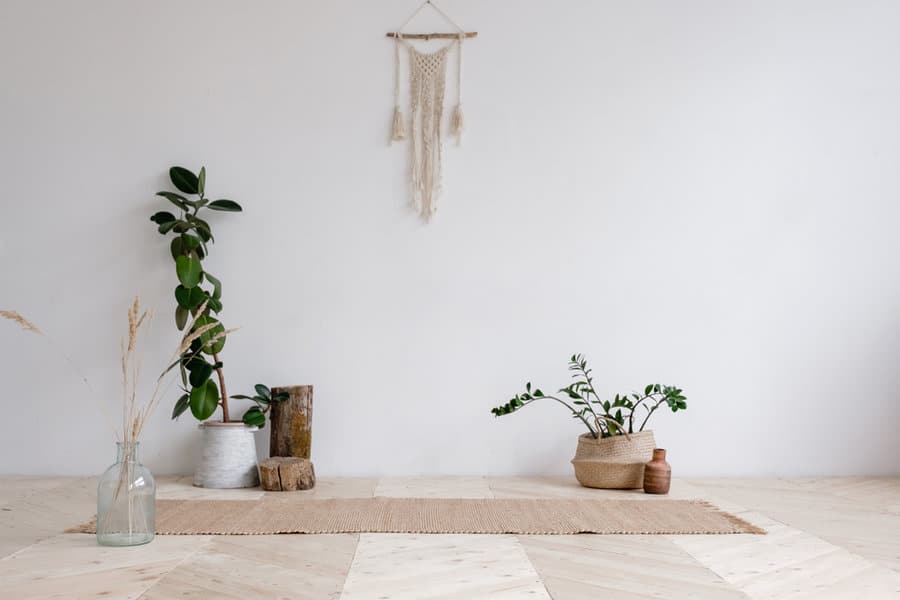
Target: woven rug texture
column 274, row 515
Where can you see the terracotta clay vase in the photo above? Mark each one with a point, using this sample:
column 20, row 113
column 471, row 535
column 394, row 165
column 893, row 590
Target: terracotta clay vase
column 657, row 473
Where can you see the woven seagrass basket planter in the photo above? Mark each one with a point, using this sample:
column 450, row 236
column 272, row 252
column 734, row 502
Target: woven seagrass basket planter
column 615, row 462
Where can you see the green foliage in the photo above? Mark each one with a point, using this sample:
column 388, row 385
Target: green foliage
column 184, row 180
column 191, row 235
column 264, row 398
column 181, row 317
column 181, row 405
column 189, row 271
column 225, row 205
column 254, row 416
column 189, row 298
column 212, row 340
column 204, row 400
column 603, row 418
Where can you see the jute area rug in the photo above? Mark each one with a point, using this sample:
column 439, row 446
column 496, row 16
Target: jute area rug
column 433, row 515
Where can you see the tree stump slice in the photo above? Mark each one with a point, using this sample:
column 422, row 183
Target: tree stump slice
column 286, row 474
column 291, row 432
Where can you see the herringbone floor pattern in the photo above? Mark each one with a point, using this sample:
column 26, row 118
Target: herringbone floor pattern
column 828, row 539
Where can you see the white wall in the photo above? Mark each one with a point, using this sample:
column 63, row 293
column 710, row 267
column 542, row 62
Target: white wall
column 702, row 193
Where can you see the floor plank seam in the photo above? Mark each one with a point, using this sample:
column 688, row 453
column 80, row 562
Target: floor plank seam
column 49, row 536
column 350, row 565
column 206, row 544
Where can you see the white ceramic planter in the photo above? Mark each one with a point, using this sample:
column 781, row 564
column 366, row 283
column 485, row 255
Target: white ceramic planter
column 228, row 456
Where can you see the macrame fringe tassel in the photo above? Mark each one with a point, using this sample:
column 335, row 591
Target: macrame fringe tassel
column 457, row 123
column 398, row 131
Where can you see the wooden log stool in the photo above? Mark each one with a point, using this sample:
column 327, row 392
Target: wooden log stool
column 289, row 468
column 286, row 474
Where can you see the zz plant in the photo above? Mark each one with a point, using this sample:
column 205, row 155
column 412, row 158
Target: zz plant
column 199, row 293
column 603, row 418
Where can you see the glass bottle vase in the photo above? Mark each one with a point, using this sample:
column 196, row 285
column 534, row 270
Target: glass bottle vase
column 126, row 501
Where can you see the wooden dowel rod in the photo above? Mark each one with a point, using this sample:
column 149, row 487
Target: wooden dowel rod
column 430, row 36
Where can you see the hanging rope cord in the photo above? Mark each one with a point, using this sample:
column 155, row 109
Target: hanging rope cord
column 458, row 122
column 438, row 10
column 398, row 126
column 397, row 41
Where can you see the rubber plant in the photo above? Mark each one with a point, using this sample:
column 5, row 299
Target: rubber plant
column 198, row 294
column 603, row 418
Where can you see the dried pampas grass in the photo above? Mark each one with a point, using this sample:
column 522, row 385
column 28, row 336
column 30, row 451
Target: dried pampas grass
column 25, row 323
column 135, row 413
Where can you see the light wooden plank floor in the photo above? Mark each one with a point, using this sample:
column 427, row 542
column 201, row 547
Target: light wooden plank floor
column 828, row 538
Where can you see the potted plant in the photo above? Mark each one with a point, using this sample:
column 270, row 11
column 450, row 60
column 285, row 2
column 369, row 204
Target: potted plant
column 613, row 451
column 228, row 458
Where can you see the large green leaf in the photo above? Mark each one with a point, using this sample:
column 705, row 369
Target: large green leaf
column 191, row 242
column 201, row 180
column 189, row 298
column 181, row 405
column 254, row 416
column 176, row 199
column 263, row 391
column 204, row 400
column 162, row 216
column 189, row 271
column 200, row 374
column 214, row 305
column 176, row 247
column 166, row 227
column 203, row 229
column 194, row 361
column 181, row 316
column 183, row 179
column 217, row 285
column 210, row 347
column 225, row 206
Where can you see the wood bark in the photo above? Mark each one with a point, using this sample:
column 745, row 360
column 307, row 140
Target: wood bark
column 286, row 474
column 433, row 36
column 291, row 431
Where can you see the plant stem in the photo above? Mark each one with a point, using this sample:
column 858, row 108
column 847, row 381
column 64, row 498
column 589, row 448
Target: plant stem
column 633, row 410
column 591, row 390
column 650, row 412
column 575, row 412
column 222, row 391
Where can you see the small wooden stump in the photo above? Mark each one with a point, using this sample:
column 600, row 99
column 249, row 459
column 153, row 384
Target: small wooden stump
column 286, row 474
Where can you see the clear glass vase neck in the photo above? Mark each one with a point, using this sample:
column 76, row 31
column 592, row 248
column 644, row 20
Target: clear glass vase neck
column 127, row 451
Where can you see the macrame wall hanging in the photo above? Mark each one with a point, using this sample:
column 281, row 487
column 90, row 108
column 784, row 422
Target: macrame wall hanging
column 427, row 85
